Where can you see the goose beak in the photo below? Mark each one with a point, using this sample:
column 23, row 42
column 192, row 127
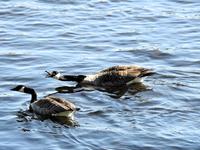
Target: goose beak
column 51, row 74
column 48, row 74
column 13, row 89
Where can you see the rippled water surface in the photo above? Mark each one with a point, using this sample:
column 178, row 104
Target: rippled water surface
column 85, row 36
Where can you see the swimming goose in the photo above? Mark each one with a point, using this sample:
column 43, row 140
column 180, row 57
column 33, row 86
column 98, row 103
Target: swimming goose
column 49, row 105
column 113, row 76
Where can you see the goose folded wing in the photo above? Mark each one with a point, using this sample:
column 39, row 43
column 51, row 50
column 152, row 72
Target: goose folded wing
column 115, row 78
column 114, row 68
column 131, row 71
column 121, row 68
column 49, row 106
column 67, row 105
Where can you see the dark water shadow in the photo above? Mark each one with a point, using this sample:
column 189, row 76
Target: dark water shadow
column 112, row 91
column 27, row 116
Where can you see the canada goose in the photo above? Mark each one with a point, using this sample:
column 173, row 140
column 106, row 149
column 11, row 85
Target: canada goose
column 49, row 105
column 113, row 76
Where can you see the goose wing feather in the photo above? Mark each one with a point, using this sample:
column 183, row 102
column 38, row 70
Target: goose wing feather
column 120, row 68
column 114, row 78
column 127, row 71
column 66, row 104
column 52, row 105
column 120, row 75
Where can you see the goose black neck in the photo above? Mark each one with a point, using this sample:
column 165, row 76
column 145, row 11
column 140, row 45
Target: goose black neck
column 78, row 78
column 33, row 97
column 32, row 92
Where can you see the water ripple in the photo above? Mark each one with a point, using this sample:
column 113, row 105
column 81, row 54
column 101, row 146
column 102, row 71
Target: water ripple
column 83, row 37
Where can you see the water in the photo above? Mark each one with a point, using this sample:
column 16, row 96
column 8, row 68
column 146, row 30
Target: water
column 81, row 37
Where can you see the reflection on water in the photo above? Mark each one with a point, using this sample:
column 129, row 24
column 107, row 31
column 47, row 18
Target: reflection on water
column 26, row 116
column 83, row 37
column 65, row 121
column 114, row 91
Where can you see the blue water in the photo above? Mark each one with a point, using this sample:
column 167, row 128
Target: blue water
column 82, row 37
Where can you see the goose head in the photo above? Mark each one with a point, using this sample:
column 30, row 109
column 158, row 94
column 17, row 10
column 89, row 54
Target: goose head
column 19, row 88
column 53, row 74
column 23, row 89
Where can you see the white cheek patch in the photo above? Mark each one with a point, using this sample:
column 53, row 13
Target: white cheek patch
column 22, row 89
column 57, row 76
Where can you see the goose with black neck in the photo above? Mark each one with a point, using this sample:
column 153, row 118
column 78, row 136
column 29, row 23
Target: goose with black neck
column 48, row 106
column 124, row 75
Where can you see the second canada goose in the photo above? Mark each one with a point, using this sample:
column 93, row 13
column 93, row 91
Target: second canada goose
column 113, row 76
column 49, row 105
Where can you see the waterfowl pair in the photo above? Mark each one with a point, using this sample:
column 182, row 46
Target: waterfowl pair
column 113, row 76
column 48, row 106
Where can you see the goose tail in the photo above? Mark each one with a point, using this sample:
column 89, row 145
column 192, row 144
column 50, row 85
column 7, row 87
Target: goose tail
column 77, row 109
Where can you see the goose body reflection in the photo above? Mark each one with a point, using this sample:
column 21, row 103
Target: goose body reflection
column 114, row 91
